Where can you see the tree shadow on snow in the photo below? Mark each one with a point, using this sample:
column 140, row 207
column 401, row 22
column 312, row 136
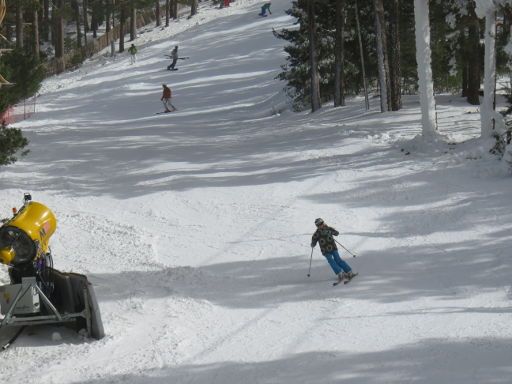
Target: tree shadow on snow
column 393, row 275
column 471, row 361
column 124, row 164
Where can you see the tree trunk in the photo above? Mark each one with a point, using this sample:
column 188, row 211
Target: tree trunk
column 167, row 12
column 339, row 79
column 94, row 19
column 85, row 4
column 423, row 60
column 313, row 58
column 171, row 8
column 510, row 74
column 59, row 34
column 35, row 32
column 473, row 58
column 193, row 7
column 383, row 65
column 133, row 22
column 113, row 14
column 19, row 25
column 395, row 73
column 76, row 8
column 175, row 9
column 122, row 24
column 46, row 20
column 108, row 10
column 157, row 12
column 361, row 54
column 462, row 59
column 487, row 108
column 86, row 23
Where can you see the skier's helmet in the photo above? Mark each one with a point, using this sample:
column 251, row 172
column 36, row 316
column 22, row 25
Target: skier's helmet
column 319, row 222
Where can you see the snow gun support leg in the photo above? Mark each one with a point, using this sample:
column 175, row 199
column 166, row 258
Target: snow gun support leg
column 73, row 301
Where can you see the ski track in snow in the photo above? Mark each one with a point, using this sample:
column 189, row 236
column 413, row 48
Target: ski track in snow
column 195, row 227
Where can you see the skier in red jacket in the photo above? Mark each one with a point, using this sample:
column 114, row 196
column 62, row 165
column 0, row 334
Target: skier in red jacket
column 166, row 98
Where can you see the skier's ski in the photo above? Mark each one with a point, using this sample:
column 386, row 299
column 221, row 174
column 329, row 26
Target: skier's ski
column 160, row 113
column 349, row 280
column 12, row 339
column 345, row 281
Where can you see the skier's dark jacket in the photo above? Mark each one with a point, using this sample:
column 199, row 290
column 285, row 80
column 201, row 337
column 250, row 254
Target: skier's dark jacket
column 324, row 237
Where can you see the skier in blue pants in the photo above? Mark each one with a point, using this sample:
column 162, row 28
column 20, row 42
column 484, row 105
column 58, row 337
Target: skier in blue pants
column 264, row 9
column 324, row 236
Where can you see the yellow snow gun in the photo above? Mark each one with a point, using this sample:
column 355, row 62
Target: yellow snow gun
column 39, row 294
column 25, row 237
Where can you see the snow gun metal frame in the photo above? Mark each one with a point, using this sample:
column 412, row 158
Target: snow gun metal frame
column 38, row 293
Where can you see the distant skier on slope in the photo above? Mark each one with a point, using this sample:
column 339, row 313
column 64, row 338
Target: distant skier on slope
column 133, row 53
column 265, row 8
column 166, row 98
column 174, row 57
column 324, row 236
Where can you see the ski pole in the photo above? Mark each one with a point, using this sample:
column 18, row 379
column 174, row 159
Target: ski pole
column 310, row 258
column 344, row 248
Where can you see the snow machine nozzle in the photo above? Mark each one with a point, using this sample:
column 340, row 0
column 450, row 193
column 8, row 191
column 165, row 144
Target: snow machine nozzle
column 26, row 236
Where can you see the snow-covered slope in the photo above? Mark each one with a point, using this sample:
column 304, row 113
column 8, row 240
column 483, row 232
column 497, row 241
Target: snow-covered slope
column 195, row 226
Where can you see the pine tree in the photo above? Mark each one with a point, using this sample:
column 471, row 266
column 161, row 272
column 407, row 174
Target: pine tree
column 343, row 72
column 295, row 71
column 12, row 143
column 25, row 71
column 330, row 62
